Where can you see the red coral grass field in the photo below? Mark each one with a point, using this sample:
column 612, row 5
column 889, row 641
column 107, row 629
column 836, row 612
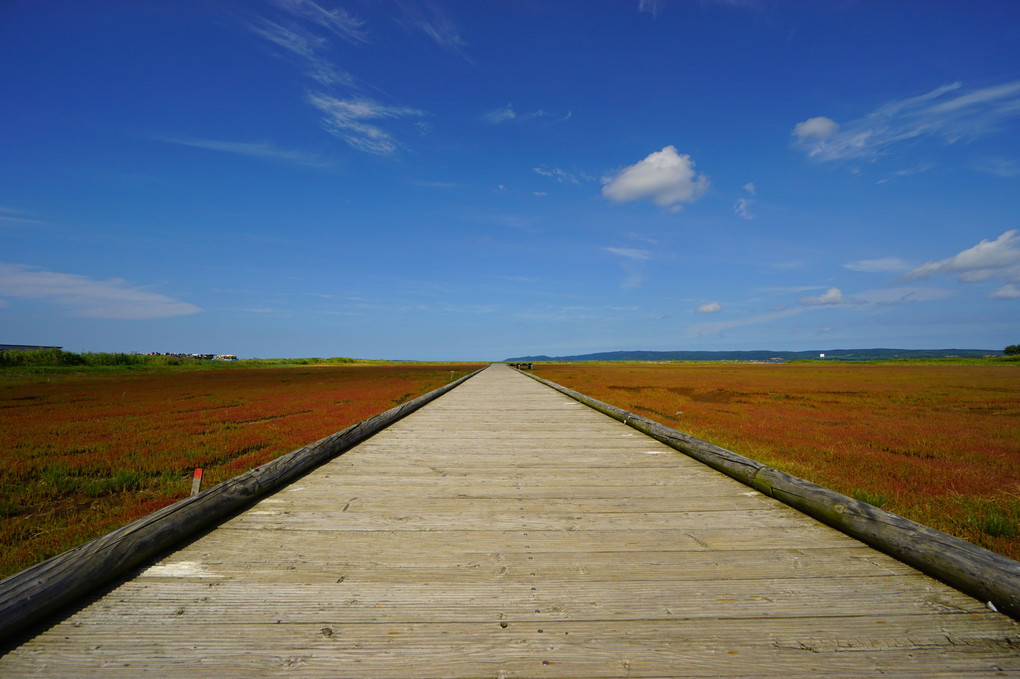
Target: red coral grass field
column 939, row 444
column 82, row 453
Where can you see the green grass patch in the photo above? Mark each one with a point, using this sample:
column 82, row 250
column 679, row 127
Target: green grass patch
column 872, row 498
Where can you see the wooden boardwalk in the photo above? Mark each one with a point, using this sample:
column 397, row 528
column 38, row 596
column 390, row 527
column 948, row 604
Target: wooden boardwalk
column 505, row 530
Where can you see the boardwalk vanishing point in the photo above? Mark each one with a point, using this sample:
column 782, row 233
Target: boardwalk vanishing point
column 505, row 530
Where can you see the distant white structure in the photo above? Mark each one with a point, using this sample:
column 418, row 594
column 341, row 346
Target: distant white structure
column 821, row 355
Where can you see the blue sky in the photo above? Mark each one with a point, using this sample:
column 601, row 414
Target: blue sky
column 476, row 180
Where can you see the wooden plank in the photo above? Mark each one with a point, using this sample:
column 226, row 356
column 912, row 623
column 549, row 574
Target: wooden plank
column 32, row 594
column 292, row 559
column 984, row 574
column 477, row 538
column 640, row 648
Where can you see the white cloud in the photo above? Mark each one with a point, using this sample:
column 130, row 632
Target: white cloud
column 922, row 167
column 879, row 265
column 978, row 263
column 112, row 299
column 253, row 150
column 898, row 295
column 815, row 128
column 10, row 215
column 742, row 208
column 650, row 6
column 716, row 327
column 306, row 45
column 499, row 115
column 346, row 119
column 433, row 21
column 1000, row 167
column 338, row 21
column 943, row 112
column 632, row 265
column 664, row 177
column 558, row 174
column 831, row 296
column 630, row 253
column 710, row 308
column 505, row 113
column 295, row 39
column 1008, row 291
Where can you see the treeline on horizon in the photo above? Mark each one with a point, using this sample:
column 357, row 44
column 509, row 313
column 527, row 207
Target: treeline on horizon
column 765, row 355
column 58, row 358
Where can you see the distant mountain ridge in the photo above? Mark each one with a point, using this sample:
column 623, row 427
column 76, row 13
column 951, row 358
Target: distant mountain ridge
column 765, row 355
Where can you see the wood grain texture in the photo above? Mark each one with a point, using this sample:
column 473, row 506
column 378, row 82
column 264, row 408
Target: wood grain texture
column 983, row 574
column 505, row 531
column 35, row 592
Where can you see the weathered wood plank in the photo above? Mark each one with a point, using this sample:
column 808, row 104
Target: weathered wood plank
column 503, row 531
column 983, row 574
column 42, row 589
column 295, row 560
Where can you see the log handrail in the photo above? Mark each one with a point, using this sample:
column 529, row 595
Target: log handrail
column 32, row 594
column 983, row 574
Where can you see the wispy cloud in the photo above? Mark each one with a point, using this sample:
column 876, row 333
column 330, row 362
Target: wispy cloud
column 12, row 216
column 977, row 263
column 306, row 34
column 305, row 44
column 665, row 177
column 630, row 253
column 742, row 208
column 83, row 296
column 999, row 258
column 507, row 113
column 261, row 150
column 1000, row 167
column 499, row 115
column 650, row 6
column 1008, row 291
column 716, row 327
column 878, row 265
column 878, row 297
column 710, row 308
column 558, row 174
column 348, row 119
column 896, row 295
column 633, row 260
column 432, row 20
column 338, row 21
column 947, row 112
column 831, row 296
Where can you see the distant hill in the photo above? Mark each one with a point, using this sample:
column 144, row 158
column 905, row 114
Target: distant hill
column 764, row 355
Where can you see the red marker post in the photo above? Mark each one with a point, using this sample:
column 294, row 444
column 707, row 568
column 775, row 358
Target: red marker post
column 196, row 482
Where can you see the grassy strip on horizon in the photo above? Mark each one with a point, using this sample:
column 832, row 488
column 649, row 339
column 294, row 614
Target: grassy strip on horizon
column 56, row 361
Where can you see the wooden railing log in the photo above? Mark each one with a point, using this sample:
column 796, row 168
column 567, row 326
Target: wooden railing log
column 985, row 575
column 43, row 589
